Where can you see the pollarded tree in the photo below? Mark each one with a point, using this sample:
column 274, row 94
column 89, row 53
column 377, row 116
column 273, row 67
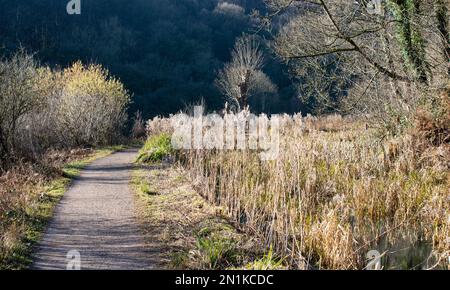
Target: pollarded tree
column 243, row 76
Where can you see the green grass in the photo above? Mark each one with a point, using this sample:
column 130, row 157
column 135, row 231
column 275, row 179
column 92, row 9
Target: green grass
column 268, row 262
column 155, row 149
column 37, row 217
column 140, row 183
column 217, row 252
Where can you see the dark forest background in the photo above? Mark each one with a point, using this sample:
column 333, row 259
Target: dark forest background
column 167, row 52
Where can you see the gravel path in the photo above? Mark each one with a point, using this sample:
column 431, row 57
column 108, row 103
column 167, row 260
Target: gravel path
column 96, row 217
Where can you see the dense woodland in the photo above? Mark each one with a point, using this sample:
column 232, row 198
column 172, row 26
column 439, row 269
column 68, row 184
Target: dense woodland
column 167, row 53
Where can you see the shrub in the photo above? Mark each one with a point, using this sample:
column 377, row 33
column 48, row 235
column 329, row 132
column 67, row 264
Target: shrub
column 41, row 108
column 93, row 105
column 155, row 149
column 20, row 94
column 40, row 129
column 81, row 106
column 433, row 124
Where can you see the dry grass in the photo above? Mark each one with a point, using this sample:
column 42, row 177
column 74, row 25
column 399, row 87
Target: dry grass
column 28, row 194
column 334, row 193
column 186, row 231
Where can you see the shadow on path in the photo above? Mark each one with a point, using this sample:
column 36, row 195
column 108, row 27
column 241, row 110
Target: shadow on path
column 96, row 217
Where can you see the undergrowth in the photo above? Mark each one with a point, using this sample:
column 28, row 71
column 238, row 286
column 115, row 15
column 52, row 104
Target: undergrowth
column 155, row 149
column 28, row 196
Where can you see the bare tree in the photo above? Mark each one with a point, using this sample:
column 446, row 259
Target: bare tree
column 341, row 51
column 243, row 77
column 333, row 27
column 19, row 95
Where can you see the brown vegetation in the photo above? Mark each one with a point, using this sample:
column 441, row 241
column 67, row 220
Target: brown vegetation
column 333, row 195
column 185, row 230
column 43, row 108
column 45, row 116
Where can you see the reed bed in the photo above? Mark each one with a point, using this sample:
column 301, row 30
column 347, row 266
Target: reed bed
column 335, row 192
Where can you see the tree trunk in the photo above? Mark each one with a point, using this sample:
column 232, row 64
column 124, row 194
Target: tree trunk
column 244, row 88
column 410, row 37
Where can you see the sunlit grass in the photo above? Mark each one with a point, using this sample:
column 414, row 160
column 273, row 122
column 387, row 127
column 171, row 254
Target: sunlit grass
column 155, row 149
column 335, row 192
column 25, row 228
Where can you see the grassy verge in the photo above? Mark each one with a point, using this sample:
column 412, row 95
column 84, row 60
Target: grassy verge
column 187, row 231
column 155, row 149
column 25, row 224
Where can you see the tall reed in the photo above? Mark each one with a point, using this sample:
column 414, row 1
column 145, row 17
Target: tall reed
column 332, row 195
